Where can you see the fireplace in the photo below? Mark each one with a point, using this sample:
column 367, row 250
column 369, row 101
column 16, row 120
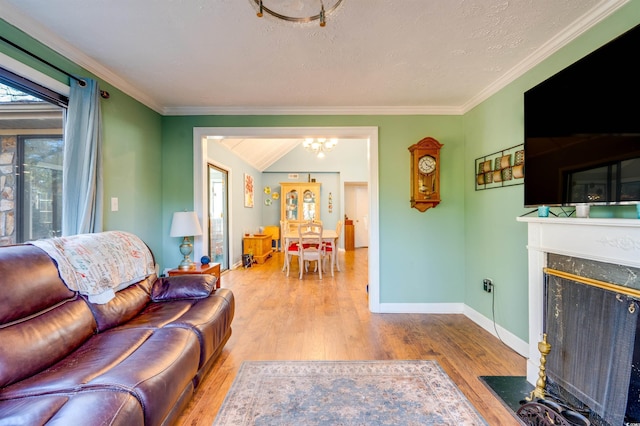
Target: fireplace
column 600, row 244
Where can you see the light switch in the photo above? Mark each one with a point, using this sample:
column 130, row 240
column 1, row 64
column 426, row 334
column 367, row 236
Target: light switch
column 114, row 204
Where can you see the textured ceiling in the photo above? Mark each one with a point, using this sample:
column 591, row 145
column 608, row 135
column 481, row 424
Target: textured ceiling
column 374, row 56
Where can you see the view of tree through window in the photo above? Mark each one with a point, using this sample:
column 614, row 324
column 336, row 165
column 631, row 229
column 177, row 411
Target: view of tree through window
column 31, row 153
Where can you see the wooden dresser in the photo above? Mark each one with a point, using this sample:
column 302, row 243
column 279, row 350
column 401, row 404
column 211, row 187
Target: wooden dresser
column 258, row 245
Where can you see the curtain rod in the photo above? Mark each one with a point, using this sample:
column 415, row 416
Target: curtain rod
column 103, row 93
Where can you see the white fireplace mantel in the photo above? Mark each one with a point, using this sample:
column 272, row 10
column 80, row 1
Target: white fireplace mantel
column 615, row 241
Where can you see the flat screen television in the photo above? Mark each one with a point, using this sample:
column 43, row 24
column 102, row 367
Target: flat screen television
column 582, row 130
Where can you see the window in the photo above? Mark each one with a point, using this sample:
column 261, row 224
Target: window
column 31, row 153
column 39, row 183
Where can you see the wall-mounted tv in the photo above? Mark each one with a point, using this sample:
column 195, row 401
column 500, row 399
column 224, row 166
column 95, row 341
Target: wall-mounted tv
column 582, row 130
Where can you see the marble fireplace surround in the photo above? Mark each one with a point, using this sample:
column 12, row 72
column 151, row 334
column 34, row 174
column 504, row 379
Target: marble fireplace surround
column 615, row 241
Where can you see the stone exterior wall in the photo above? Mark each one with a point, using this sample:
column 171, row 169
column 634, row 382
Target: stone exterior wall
column 7, row 190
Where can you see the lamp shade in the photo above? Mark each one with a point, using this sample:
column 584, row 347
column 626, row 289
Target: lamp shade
column 185, row 224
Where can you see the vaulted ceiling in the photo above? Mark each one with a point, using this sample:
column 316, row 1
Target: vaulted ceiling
column 260, row 153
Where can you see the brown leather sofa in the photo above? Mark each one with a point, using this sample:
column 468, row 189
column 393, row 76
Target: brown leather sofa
column 132, row 361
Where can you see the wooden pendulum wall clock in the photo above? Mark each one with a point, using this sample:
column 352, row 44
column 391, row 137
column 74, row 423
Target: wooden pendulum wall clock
column 425, row 174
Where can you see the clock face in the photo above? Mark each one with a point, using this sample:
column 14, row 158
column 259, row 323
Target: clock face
column 427, row 164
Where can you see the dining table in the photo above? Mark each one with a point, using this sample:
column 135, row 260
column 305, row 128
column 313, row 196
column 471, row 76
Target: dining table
column 329, row 236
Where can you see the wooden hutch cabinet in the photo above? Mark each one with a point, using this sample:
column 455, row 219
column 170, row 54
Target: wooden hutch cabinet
column 300, row 201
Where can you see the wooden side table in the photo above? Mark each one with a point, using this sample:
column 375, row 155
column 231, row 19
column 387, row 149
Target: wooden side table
column 211, row 269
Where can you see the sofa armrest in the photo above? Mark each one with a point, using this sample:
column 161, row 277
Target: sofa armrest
column 183, row 287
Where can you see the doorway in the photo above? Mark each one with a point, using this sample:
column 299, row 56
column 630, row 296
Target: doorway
column 218, row 195
column 370, row 134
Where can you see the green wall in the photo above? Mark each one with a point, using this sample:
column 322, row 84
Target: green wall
column 422, row 253
column 495, row 244
column 131, row 147
column 131, row 158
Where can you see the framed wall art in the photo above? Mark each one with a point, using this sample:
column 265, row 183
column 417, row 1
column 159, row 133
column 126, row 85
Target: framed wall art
column 500, row 169
column 248, row 190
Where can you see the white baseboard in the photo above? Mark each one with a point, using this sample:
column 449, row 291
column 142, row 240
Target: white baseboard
column 422, row 308
column 509, row 339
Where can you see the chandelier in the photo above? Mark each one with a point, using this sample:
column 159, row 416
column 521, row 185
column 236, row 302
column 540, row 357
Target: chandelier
column 319, row 145
column 296, row 10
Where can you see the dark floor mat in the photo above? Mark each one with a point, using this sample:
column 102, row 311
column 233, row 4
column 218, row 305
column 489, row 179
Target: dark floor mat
column 511, row 390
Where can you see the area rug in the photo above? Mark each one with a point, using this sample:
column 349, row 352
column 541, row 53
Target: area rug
column 333, row 393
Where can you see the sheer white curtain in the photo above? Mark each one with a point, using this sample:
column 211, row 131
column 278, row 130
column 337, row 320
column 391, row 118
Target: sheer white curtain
column 82, row 170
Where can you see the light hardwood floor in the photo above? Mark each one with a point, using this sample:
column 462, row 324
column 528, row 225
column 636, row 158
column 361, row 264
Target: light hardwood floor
column 280, row 318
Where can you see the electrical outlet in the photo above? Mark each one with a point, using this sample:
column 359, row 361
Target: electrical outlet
column 487, row 285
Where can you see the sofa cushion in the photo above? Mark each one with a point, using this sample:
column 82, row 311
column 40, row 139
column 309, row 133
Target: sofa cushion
column 126, row 304
column 96, row 356
column 160, row 384
column 209, row 318
column 38, row 342
column 29, row 283
column 108, row 407
column 180, row 287
column 159, row 314
column 156, row 366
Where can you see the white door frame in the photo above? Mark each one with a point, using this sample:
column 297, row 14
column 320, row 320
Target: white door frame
column 228, row 211
column 369, row 133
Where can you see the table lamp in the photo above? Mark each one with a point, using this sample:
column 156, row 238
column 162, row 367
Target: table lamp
column 185, row 224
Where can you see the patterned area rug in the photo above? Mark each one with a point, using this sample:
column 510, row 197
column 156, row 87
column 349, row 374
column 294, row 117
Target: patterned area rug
column 333, row 393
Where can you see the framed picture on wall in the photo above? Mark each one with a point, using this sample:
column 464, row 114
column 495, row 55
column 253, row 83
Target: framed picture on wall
column 248, row 190
column 500, row 169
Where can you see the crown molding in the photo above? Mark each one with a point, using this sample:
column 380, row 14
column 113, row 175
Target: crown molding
column 349, row 110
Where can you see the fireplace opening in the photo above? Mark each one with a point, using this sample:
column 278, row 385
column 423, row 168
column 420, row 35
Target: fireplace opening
column 592, row 325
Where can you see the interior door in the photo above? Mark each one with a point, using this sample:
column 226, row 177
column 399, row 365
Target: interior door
column 218, row 216
column 357, row 208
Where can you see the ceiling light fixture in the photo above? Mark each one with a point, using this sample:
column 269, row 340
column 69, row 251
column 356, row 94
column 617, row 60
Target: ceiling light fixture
column 298, row 12
column 319, row 145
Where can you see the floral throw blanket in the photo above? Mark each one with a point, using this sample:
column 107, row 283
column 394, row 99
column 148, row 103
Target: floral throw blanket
column 98, row 265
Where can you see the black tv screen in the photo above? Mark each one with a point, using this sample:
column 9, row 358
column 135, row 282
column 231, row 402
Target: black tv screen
column 582, row 130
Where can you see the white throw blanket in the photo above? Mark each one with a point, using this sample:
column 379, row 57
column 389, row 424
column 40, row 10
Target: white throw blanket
column 98, row 265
